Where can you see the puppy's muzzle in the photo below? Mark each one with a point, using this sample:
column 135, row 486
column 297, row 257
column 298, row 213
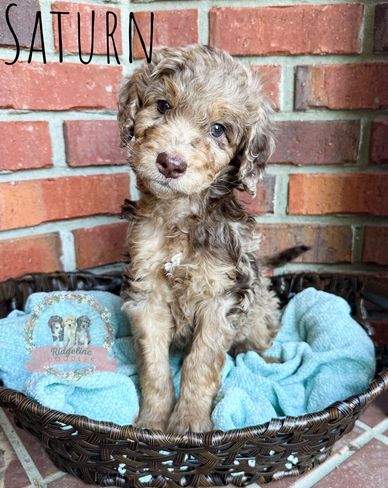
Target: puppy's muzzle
column 171, row 165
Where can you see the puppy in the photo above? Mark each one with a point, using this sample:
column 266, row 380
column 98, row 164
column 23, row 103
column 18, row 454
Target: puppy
column 82, row 334
column 198, row 128
column 56, row 325
column 69, row 331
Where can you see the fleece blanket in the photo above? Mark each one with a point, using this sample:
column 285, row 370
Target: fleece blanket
column 73, row 352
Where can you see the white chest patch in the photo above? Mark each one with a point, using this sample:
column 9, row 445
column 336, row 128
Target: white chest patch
column 175, row 261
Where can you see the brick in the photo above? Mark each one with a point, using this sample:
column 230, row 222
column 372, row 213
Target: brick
column 70, row 28
column 264, row 200
column 24, row 145
column 270, row 77
column 148, row 1
column 296, row 29
column 100, row 245
column 366, row 467
column 66, row 481
column 12, row 471
column 173, row 28
column 93, row 142
column 27, row 203
column 22, row 19
column 375, row 245
column 347, row 439
column 35, row 450
column 378, row 410
column 30, row 255
column 342, row 86
column 381, row 29
column 56, row 86
column 356, row 193
column 380, row 337
column 329, row 243
column 311, row 143
column 379, row 142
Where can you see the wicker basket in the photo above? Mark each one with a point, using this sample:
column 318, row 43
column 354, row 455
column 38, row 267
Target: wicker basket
column 110, row 455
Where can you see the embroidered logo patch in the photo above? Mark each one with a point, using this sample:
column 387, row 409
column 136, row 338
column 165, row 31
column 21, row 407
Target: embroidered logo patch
column 70, row 335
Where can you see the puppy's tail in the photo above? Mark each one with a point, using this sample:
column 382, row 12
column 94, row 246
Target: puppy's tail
column 285, row 256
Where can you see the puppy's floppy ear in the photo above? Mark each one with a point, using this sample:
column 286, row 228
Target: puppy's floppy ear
column 132, row 92
column 130, row 101
column 256, row 148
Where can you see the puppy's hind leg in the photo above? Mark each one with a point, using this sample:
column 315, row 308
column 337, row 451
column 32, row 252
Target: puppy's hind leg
column 259, row 328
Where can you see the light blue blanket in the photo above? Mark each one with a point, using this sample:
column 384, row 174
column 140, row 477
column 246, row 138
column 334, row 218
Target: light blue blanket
column 325, row 357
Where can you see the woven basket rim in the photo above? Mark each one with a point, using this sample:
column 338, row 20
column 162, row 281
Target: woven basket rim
column 334, row 412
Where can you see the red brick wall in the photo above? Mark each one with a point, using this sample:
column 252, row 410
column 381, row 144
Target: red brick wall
column 325, row 68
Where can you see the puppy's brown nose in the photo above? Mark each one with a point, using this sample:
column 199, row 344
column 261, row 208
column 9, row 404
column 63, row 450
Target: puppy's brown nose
column 171, row 165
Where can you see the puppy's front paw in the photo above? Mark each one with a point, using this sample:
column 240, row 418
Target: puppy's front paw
column 151, row 420
column 182, row 422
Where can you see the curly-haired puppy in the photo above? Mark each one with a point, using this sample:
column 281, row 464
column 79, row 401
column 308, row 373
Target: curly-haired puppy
column 69, row 330
column 56, row 325
column 83, row 334
column 198, row 128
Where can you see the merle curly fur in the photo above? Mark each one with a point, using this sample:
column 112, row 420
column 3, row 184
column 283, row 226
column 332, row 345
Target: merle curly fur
column 198, row 130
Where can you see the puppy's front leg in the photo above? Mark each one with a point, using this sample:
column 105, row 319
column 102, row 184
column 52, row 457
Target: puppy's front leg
column 152, row 330
column 201, row 369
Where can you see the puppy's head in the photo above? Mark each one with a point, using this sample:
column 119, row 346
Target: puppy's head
column 55, row 324
column 70, row 322
column 83, row 322
column 189, row 115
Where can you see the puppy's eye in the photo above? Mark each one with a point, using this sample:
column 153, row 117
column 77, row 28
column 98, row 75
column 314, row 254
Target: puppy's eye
column 217, row 130
column 163, row 106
